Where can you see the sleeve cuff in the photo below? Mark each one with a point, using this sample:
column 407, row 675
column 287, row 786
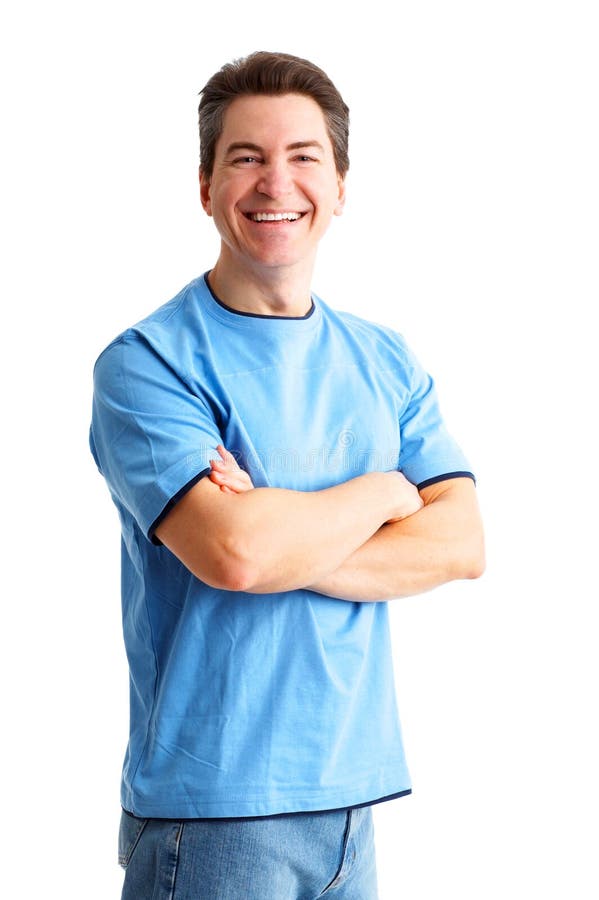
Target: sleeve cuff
column 171, row 503
column 445, row 477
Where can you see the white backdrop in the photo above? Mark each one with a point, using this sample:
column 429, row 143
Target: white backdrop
column 472, row 227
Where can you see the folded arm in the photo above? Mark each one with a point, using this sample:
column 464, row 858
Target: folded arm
column 266, row 540
column 440, row 543
column 435, row 541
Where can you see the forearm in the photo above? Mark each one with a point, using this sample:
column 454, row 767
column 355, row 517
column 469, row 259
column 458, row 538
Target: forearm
column 286, row 538
column 270, row 539
column 440, row 543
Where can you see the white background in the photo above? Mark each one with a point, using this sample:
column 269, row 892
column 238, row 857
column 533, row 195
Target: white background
column 472, row 227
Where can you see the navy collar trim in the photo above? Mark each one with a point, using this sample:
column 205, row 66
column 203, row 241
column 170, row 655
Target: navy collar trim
column 239, row 312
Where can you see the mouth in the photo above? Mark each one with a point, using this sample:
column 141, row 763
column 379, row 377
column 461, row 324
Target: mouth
column 284, row 216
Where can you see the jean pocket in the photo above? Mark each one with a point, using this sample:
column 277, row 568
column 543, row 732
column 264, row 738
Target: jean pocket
column 130, row 831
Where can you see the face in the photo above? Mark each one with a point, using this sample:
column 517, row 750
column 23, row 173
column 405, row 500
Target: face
column 274, row 187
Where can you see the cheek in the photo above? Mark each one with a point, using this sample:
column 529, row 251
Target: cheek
column 220, row 204
column 226, row 199
column 329, row 193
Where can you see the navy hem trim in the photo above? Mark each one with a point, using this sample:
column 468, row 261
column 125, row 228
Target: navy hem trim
column 299, row 812
column 239, row 312
column 172, row 502
column 445, row 477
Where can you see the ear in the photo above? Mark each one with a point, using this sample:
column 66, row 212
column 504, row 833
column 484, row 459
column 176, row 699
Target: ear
column 205, row 193
column 341, row 201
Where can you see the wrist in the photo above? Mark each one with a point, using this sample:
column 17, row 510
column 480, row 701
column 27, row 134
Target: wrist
column 385, row 494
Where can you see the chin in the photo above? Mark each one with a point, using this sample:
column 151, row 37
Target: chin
column 276, row 262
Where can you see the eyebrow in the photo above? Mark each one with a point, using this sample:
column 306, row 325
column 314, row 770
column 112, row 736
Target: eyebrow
column 248, row 145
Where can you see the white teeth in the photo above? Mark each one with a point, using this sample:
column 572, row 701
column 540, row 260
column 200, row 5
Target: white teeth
column 275, row 217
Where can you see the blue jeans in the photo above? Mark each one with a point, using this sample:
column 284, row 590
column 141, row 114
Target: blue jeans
column 300, row 856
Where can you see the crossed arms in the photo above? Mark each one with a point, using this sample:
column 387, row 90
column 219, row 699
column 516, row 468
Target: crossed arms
column 371, row 538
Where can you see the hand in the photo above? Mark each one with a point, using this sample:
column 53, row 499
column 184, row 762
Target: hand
column 228, row 475
column 408, row 499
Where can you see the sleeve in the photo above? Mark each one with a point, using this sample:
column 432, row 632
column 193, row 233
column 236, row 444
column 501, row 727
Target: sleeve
column 428, row 453
column 151, row 436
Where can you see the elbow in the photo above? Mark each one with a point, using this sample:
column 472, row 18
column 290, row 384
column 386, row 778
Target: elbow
column 473, row 561
column 230, row 576
column 219, row 569
column 467, row 558
column 476, row 568
column 236, row 568
column 235, row 561
column 237, row 580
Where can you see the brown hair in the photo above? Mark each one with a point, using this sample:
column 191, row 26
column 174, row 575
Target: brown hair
column 271, row 73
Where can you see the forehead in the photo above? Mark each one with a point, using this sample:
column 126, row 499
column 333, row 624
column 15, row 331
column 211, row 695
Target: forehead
column 263, row 119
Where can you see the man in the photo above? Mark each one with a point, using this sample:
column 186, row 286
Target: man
column 263, row 718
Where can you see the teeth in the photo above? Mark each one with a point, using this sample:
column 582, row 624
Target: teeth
column 275, row 217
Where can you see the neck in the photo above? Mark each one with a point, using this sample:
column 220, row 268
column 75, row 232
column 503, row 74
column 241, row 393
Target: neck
column 276, row 291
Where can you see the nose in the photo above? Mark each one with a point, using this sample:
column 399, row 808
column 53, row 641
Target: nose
column 275, row 180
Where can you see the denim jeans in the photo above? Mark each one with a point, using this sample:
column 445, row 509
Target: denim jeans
column 300, row 856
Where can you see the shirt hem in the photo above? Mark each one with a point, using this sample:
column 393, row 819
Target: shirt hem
column 296, row 812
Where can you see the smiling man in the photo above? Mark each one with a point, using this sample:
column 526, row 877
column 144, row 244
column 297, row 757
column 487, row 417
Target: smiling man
column 272, row 190
column 280, row 470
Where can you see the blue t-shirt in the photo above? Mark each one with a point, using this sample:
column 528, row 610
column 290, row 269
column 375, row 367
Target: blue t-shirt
column 243, row 704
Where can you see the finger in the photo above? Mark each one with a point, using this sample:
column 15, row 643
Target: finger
column 222, row 451
column 226, row 467
column 240, row 484
column 227, row 457
column 223, row 478
column 237, row 484
column 225, row 475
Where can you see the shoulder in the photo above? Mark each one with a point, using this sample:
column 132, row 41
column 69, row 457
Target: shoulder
column 386, row 345
column 164, row 333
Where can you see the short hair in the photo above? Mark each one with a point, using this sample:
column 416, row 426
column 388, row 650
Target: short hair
column 268, row 73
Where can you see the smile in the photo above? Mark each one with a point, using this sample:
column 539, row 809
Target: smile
column 274, row 217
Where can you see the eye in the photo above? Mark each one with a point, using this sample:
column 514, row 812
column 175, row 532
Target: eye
column 246, row 161
column 305, row 159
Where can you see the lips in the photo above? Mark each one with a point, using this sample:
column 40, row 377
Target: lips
column 283, row 216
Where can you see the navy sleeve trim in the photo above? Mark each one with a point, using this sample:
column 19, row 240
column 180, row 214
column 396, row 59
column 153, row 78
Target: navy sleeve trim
column 171, row 503
column 445, row 477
